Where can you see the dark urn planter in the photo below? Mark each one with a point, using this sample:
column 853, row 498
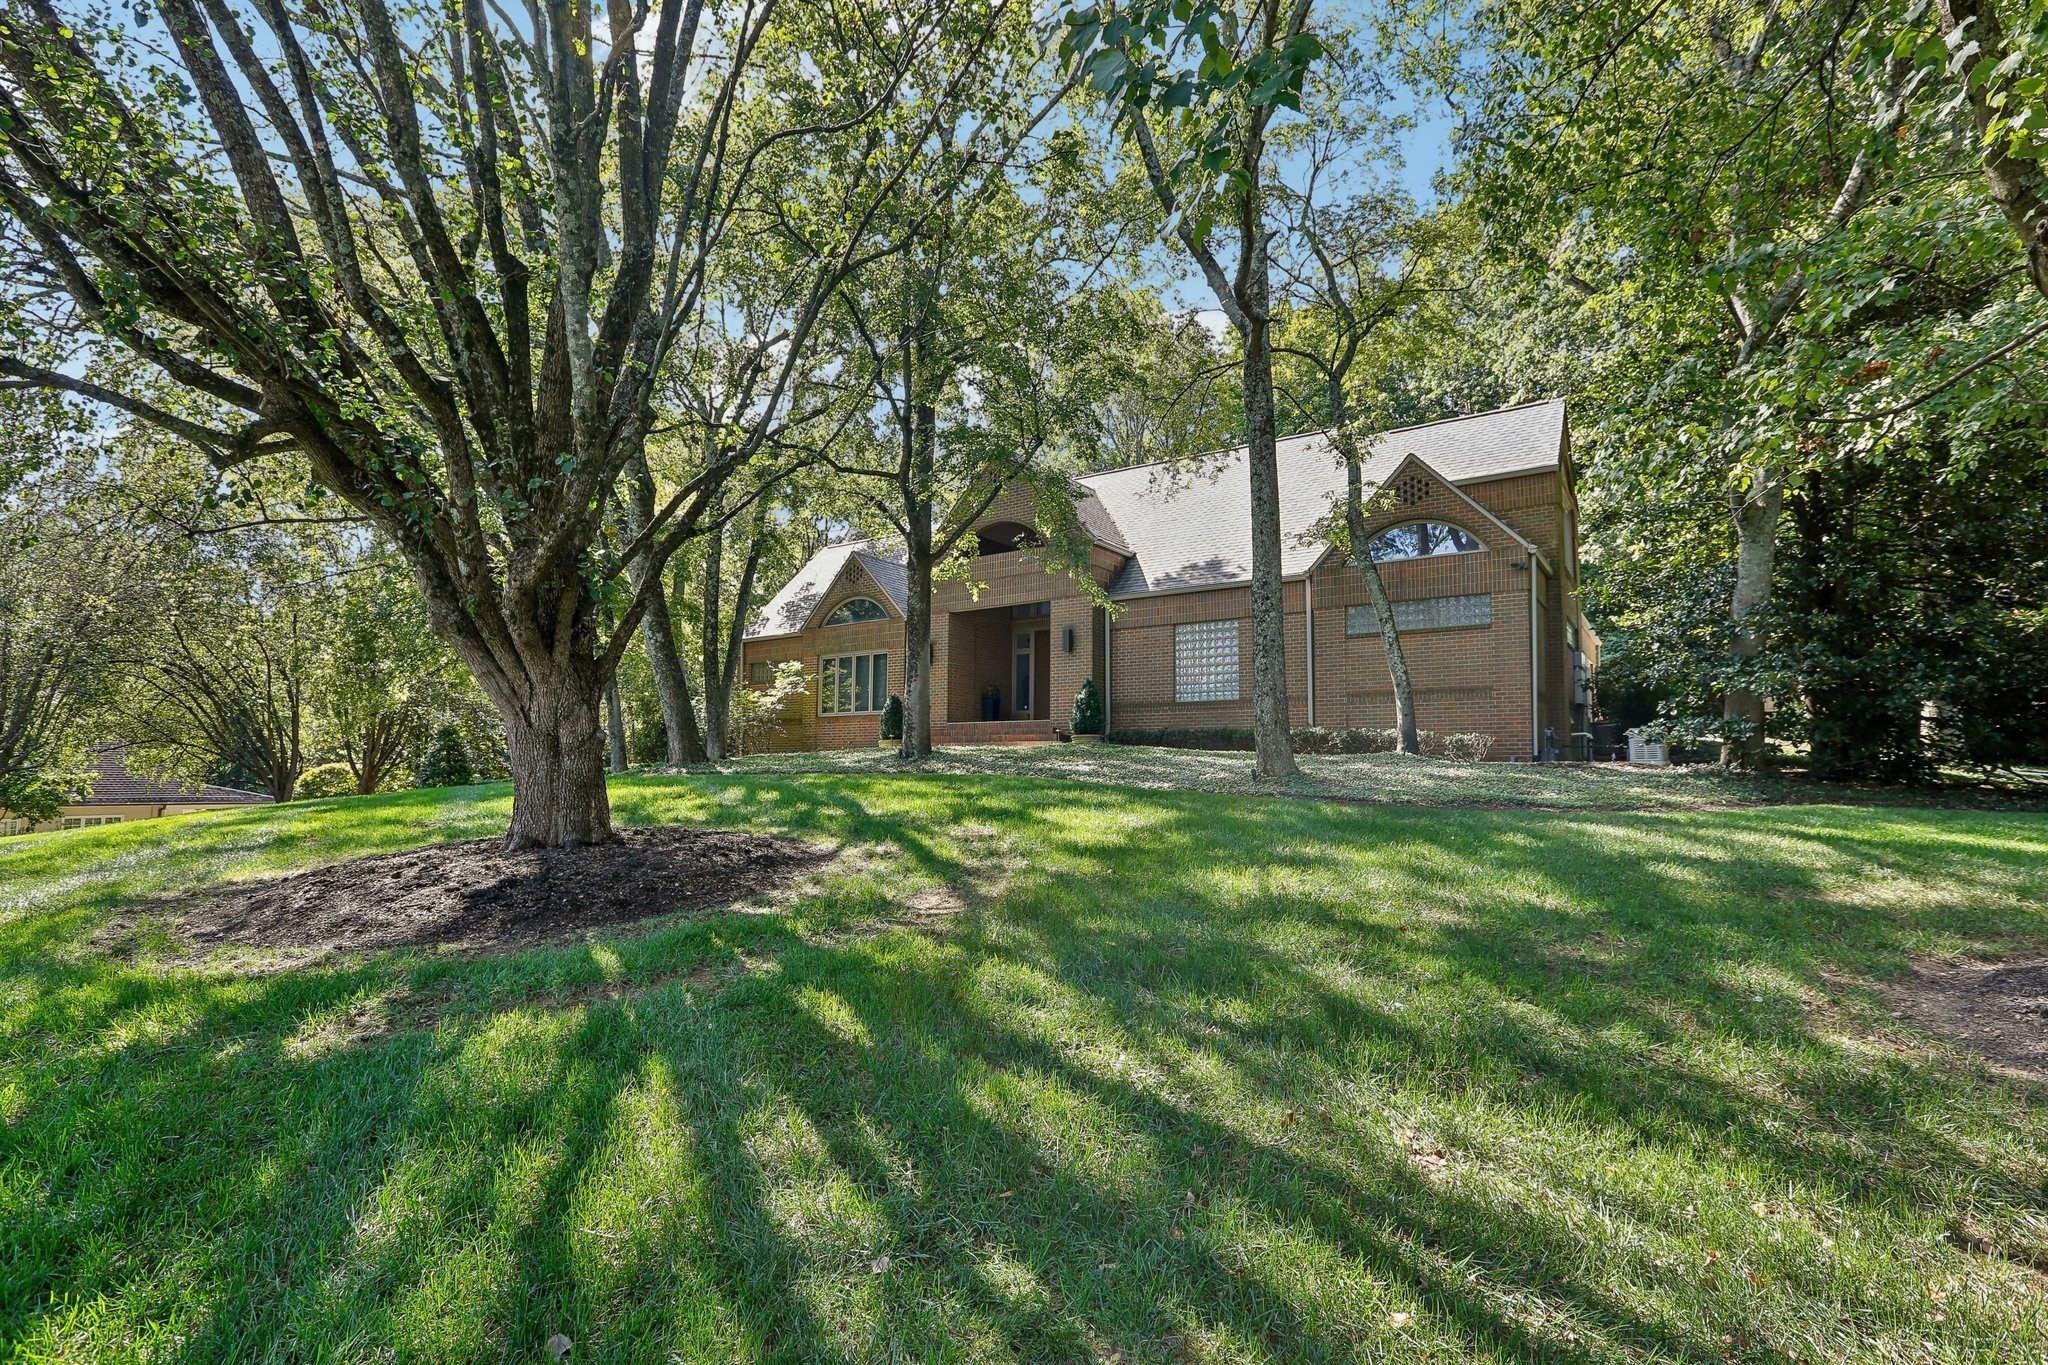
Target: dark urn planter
column 991, row 706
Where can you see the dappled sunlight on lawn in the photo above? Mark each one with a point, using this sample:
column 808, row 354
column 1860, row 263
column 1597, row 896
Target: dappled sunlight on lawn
column 1188, row 1077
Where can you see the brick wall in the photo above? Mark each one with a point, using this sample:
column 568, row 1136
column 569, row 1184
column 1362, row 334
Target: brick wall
column 803, row 726
column 1466, row 679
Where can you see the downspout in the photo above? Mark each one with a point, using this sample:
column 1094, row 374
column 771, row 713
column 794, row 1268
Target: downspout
column 1107, row 617
column 1308, row 620
column 1535, row 680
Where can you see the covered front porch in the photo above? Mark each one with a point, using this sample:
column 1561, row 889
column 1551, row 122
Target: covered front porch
column 1000, row 670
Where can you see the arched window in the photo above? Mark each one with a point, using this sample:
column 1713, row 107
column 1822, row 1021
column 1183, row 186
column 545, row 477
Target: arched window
column 1000, row 537
column 856, row 609
column 1420, row 540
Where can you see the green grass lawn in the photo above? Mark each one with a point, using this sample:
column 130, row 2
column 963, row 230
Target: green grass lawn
column 1193, row 1077
column 1395, row 779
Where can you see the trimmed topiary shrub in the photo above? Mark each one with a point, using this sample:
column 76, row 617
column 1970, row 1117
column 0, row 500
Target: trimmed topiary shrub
column 892, row 718
column 328, row 779
column 447, row 763
column 1467, row 747
column 1088, row 718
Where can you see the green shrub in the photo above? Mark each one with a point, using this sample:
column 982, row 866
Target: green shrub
column 328, row 779
column 1192, row 737
column 1467, row 747
column 1088, row 718
column 892, row 718
column 447, row 763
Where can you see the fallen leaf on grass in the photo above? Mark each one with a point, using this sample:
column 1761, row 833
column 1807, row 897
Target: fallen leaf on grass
column 558, row 1346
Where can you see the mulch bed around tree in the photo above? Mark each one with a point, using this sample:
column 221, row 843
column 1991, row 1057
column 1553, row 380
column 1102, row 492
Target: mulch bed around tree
column 477, row 896
column 1997, row 1010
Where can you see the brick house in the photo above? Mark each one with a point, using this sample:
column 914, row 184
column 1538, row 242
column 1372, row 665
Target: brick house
column 1476, row 544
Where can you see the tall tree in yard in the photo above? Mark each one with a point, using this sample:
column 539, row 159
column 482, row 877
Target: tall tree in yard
column 1196, row 85
column 1706, row 160
column 433, row 261
column 976, row 335
column 1355, row 255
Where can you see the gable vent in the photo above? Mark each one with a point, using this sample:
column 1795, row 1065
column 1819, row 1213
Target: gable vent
column 1410, row 489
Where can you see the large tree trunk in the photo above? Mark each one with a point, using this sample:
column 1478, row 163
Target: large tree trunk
column 1269, row 635
column 1407, row 740
column 721, row 671
column 917, row 614
column 555, row 748
column 1756, row 511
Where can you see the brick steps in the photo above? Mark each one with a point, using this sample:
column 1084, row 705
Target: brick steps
column 994, row 732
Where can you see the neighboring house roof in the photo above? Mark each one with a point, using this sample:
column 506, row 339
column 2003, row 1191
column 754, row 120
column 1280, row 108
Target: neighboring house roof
column 1183, row 525
column 114, row 785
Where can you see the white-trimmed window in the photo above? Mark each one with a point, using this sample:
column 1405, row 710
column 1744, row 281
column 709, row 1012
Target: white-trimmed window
column 1205, row 661
column 14, row 825
column 87, row 821
column 1424, row 613
column 853, row 684
column 1423, row 540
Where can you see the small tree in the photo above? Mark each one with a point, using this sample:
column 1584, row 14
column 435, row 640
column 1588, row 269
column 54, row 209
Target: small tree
column 447, row 762
column 757, row 710
column 1088, row 719
column 892, row 718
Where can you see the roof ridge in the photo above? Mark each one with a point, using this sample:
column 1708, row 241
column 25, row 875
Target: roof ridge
column 1319, row 431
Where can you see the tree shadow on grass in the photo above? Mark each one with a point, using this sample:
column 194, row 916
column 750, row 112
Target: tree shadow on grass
column 1016, row 1113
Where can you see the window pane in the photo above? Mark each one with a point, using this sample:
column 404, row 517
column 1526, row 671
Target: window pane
column 1205, row 661
column 881, row 681
column 856, row 609
column 1421, row 539
column 860, row 683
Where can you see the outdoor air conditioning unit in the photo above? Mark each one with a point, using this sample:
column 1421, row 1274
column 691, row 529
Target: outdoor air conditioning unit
column 1642, row 750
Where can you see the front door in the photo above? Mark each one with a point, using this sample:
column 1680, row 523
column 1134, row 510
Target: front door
column 1020, row 695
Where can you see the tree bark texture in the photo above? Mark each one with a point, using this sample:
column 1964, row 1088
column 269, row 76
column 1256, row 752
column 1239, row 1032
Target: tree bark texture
column 1269, row 638
column 1756, row 513
column 917, row 614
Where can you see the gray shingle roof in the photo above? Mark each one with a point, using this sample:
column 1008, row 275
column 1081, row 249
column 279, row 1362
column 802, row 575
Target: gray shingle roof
column 789, row 609
column 114, row 785
column 1186, row 526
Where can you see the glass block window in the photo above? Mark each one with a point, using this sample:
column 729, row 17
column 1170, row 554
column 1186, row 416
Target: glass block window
column 1205, row 661
column 1424, row 613
column 856, row 609
column 853, row 684
column 761, row 673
